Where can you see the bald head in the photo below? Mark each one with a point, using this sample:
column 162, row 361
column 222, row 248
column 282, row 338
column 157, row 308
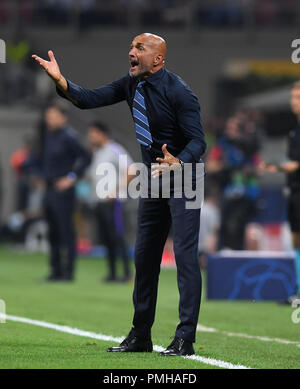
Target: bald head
column 157, row 43
column 147, row 55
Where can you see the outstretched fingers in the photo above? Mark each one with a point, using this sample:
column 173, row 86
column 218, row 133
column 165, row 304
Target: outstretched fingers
column 40, row 60
column 43, row 62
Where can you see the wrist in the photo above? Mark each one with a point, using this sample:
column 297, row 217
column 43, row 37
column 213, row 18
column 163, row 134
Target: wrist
column 58, row 80
column 61, row 82
column 72, row 176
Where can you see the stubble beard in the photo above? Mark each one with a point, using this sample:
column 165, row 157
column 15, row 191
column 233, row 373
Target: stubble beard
column 141, row 73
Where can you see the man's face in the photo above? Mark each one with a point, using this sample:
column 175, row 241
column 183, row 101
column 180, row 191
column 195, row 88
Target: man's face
column 295, row 101
column 97, row 138
column 141, row 57
column 232, row 128
column 54, row 119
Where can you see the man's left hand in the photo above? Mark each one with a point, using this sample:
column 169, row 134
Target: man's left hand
column 64, row 183
column 267, row 167
column 169, row 162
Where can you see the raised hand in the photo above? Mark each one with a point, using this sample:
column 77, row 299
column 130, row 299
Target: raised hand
column 51, row 67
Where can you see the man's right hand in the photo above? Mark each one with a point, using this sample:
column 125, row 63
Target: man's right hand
column 52, row 69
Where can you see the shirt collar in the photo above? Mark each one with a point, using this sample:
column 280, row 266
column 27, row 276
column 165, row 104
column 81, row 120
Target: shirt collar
column 155, row 78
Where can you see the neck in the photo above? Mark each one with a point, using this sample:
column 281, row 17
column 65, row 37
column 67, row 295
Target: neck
column 153, row 71
column 103, row 143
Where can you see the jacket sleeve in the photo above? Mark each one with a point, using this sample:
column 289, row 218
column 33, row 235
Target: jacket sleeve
column 93, row 98
column 189, row 122
column 81, row 156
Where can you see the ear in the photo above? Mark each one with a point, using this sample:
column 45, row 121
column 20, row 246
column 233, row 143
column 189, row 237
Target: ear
column 158, row 59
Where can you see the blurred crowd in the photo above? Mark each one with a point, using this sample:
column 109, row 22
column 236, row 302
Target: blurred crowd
column 87, row 13
column 231, row 189
column 44, row 206
column 56, row 202
column 19, row 80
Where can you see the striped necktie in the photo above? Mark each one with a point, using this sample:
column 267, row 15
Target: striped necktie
column 139, row 112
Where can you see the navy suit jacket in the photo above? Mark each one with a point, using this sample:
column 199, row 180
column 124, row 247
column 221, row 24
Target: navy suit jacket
column 173, row 111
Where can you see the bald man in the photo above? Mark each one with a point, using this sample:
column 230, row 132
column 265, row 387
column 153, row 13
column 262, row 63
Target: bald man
column 168, row 127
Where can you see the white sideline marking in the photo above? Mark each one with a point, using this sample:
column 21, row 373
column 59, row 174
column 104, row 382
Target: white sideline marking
column 202, row 328
column 88, row 334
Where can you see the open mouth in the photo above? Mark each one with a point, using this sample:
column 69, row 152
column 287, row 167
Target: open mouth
column 133, row 64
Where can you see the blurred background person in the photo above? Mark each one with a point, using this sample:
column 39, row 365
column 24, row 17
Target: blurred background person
column 61, row 161
column 64, row 160
column 109, row 211
column 232, row 164
column 28, row 200
column 210, row 225
column 292, row 169
column 17, row 161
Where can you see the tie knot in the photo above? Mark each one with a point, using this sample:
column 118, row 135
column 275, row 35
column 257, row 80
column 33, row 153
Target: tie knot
column 140, row 84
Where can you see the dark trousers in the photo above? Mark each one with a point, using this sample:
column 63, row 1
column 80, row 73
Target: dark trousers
column 154, row 220
column 109, row 215
column 59, row 207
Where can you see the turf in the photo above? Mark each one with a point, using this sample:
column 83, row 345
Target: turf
column 92, row 305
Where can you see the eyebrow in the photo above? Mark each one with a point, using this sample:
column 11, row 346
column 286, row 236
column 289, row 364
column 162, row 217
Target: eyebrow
column 139, row 44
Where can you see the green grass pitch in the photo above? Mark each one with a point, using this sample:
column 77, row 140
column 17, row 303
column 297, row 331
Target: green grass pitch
column 90, row 305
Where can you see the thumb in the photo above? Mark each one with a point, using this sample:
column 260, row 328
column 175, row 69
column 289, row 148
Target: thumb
column 164, row 149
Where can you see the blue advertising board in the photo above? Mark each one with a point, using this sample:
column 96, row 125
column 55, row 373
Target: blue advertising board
column 259, row 276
